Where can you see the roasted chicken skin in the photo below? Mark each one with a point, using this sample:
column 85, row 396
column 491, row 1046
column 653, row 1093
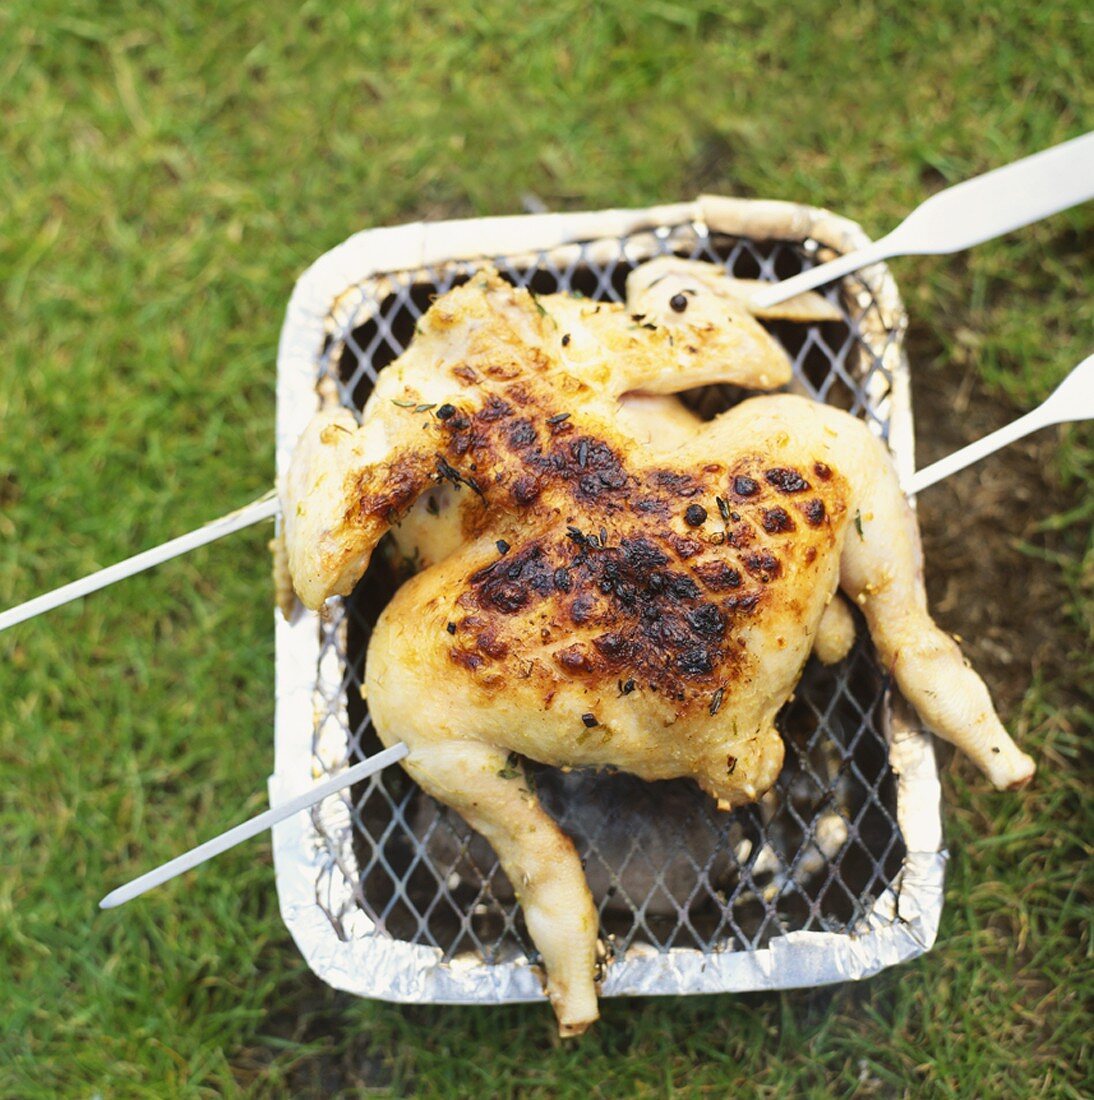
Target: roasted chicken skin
column 596, row 598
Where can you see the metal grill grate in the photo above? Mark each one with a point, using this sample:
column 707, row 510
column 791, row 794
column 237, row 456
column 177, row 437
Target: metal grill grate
column 665, row 868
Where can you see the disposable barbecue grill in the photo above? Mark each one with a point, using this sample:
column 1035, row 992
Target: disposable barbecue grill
column 835, row 874
column 837, row 871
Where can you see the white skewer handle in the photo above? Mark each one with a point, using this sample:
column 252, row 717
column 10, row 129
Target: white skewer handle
column 872, row 253
column 974, row 452
column 251, row 514
column 1073, row 399
column 247, row 829
column 968, row 213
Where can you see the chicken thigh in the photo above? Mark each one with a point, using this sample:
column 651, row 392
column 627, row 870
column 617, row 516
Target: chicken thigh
column 608, row 587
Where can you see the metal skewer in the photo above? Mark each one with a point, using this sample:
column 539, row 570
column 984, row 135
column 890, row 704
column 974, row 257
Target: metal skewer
column 968, row 213
column 266, row 507
column 1073, row 399
column 247, row 829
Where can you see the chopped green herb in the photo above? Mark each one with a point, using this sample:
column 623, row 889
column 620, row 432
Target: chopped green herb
column 449, row 473
column 404, row 404
column 716, row 701
column 425, row 408
column 410, row 563
column 512, row 767
column 858, row 526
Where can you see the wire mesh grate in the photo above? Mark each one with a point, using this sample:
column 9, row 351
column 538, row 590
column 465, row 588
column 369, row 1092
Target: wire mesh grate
column 665, row 868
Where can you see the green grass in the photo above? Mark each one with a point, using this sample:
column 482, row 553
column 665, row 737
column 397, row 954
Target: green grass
column 165, row 175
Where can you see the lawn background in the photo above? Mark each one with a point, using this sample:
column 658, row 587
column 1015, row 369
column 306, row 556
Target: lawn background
column 166, row 173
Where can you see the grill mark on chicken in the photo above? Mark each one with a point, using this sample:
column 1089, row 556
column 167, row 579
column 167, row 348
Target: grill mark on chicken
column 777, row 519
column 814, row 512
column 495, row 408
column 786, row 481
column 655, row 624
column 684, row 547
column 744, row 603
column 466, row 659
column 763, row 564
column 718, row 576
column 707, row 620
column 574, row 659
column 676, row 483
column 522, row 434
column 401, row 486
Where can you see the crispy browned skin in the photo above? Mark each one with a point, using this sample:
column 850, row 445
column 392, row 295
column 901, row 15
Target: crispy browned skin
column 646, row 573
column 596, row 600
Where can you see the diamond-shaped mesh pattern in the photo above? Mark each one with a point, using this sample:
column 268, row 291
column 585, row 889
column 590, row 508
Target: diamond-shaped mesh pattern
column 665, row 868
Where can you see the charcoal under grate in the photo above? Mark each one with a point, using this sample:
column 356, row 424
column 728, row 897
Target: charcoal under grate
column 665, row 867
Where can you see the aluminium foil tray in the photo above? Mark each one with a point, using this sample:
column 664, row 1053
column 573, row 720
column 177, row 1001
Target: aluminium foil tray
column 834, row 875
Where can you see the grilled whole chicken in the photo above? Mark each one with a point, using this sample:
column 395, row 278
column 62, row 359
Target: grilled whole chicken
column 610, row 581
